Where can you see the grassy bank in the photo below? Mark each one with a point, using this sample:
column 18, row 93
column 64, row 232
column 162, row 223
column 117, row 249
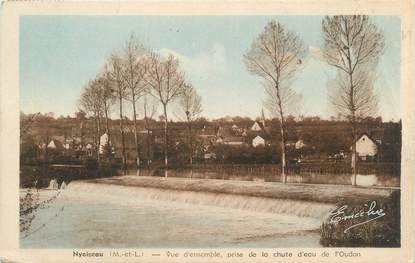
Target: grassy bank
column 381, row 232
column 39, row 176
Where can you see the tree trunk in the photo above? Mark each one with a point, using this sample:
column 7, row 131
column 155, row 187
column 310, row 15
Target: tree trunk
column 190, row 139
column 124, row 154
column 98, row 135
column 148, row 142
column 46, row 150
column 82, row 134
column 137, row 146
column 190, row 147
column 283, row 175
column 107, row 130
column 165, row 140
column 352, row 111
column 354, row 152
column 281, row 113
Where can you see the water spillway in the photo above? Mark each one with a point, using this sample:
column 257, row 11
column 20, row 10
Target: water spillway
column 155, row 212
column 133, row 195
column 93, row 215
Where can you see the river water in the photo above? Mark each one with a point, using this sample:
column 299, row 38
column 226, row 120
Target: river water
column 99, row 216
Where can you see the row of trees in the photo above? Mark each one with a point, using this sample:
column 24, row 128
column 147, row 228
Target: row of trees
column 137, row 73
column 352, row 45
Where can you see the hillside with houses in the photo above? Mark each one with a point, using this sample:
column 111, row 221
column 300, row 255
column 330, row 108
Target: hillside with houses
column 226, row 140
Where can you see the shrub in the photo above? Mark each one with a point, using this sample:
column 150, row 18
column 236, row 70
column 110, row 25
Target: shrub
column 39, row 176
column 382, row 232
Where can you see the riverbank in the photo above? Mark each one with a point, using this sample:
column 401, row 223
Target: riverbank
column 330, row 194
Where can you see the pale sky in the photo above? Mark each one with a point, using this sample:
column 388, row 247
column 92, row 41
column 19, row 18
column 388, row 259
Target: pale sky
column 59, row 54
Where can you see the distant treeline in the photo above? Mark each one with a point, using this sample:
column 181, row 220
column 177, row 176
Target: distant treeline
column 322, row 138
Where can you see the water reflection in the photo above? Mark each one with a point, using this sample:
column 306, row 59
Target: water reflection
column 304, row 178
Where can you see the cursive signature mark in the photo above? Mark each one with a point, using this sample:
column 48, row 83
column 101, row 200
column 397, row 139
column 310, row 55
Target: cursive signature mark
column 370, row 213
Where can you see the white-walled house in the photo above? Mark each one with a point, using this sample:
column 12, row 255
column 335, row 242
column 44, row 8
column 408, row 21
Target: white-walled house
column 299, row 144
column 52, row 145
column 103, row 142
column 258, row 141
column 89, row 149
column 256, row 127
column 55, row 144
column 366, row 147
column 219, row 140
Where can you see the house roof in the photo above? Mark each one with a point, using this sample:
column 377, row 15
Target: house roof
column 261, row 126
column 370, row 137
column 55, row 144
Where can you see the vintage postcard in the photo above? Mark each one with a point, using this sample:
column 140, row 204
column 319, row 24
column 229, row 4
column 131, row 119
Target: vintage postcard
column 207, row 132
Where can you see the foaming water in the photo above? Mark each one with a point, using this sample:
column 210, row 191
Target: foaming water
column 241, row 202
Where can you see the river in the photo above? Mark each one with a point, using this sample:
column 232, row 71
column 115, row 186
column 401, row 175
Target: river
column 101, row 216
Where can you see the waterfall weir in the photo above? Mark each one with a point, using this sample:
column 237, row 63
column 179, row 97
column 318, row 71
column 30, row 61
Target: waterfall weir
column 232, row 201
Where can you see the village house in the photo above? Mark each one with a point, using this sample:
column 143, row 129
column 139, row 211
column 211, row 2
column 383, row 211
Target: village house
column 55, row 145
column 219, row 140
column 290, row 143
column 366, row 147
column 104, row 141
column 258, row 141
column 244, row 133
column 209, row 156
column 300, row 144
column 257, row 126
column 68, row 144
column 89, row 149
column 207, row 135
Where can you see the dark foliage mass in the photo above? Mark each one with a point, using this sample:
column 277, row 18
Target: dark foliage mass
column 382, row 232
column 322, row 138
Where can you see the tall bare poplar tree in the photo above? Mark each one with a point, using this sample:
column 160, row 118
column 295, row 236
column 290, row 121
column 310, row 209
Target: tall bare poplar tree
column 80, row 116
column 108, row 100
column 149, row 110
column 166, row 82
column 353, row 45
column 190, row 104
column 134, row 70
column 91, row 103
column 107, row 96
column 115, row 68
column 276, row 55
